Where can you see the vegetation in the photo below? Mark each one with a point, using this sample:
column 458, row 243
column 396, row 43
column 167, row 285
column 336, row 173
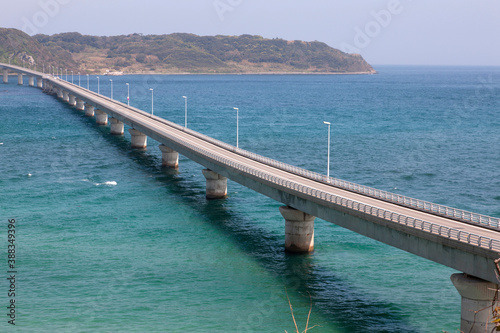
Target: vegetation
column 17, row 48
column 180, row 53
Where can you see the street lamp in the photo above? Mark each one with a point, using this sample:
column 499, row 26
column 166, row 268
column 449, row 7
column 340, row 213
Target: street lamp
column 151, row 100
column 111, row 88
column 66, row 75
column 237, row 126
column 61, row 74
column 71, row 76
column 87, row 82
column 328, row 166
column 98, row 85
column 79, row 83
column 185, row 111
column 128, row 94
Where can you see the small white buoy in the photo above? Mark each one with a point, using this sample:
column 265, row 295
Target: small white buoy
column 29, row 174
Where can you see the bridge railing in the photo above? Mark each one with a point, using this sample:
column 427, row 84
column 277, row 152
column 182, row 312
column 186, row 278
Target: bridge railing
column 426, row 226
column 426, row 206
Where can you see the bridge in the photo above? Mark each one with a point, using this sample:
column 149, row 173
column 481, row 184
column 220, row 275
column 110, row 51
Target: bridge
column 466, row 241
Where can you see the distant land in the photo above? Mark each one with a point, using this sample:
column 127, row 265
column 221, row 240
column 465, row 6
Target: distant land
column 175, row 53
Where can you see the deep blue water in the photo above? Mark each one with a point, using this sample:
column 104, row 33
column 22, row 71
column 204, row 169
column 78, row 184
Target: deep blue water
column 108, row 241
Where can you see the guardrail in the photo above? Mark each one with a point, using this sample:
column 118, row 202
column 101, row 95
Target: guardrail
column 430, row 227
column 422, row 205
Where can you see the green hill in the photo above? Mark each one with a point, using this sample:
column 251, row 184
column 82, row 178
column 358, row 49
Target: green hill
column 177, row 53
column 17, row 48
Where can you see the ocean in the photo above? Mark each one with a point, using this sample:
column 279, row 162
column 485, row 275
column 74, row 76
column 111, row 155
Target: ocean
column 109, row 241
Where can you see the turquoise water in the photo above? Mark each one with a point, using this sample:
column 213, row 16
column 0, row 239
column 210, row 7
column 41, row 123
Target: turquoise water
column 108, row 241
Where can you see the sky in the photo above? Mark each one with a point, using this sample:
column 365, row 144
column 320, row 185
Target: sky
column 397, row 32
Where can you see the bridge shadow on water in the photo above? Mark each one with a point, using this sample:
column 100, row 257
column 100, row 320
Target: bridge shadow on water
column 334, row 299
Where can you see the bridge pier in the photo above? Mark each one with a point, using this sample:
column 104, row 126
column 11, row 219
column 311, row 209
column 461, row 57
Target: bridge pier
column 479, row 299
column 89, row 110
column 60, row 93
column 39, row 82
column 299, row 230
column 80, row 105
column 65, row 96
column 101, row 117
column 139, row 140
column 32, row 81
column 5, row 75
column 20, row 79
column 216, row 185
column 72, row 100
column 117, row 127
column 169, row 157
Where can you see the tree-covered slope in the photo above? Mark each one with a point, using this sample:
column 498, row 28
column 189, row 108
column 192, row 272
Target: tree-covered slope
column 177, row 53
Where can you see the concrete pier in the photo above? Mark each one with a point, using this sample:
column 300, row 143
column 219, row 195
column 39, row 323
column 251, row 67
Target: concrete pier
column 20, row 79
column 32, row 81
column 60, row 93
column 169, row 157
column 117, row 127
column 65, row 96
column 299, row 230
column 101, row 117
column 139, row 140
column 5, row 76
column 39, row 82
column 479, row 298
column 89, row 110
column 72, row 100
column 216, row 185
column 80, row 105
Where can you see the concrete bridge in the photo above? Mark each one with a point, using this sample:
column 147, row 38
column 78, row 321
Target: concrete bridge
column 465, row 241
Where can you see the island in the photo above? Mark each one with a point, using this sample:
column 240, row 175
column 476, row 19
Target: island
column 177, row 53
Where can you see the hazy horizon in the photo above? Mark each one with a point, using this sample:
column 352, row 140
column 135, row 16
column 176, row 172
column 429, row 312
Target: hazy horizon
column 389, row 32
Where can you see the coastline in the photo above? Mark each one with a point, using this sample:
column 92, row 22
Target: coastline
column 254, row 73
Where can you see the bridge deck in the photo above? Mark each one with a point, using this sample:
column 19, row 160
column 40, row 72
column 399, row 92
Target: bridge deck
column 171, row 133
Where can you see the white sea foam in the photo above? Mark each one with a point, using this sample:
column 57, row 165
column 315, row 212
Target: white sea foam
column 111, row 183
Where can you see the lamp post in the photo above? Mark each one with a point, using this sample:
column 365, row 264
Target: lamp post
column 98, row 85
column 79, row 82
column 61, row 77
column 151, row 100
column 71, row 76
column 185, row 111
column 237, row 126
column 111, row 88
column 43, row 68
column 66, row 75
column 128, row 94
column 328, row 165
column 87, row 82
